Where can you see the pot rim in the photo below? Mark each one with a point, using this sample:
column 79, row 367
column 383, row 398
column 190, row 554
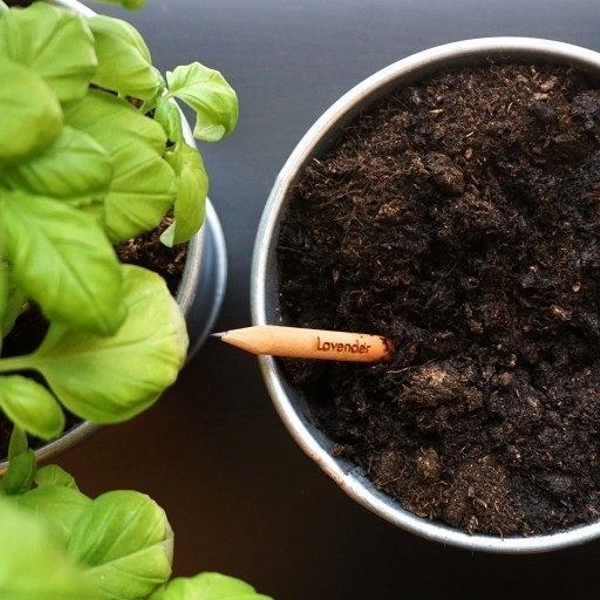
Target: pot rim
column 287, row 401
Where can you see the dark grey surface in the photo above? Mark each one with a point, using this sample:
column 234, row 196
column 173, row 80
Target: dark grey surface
column 242, row 498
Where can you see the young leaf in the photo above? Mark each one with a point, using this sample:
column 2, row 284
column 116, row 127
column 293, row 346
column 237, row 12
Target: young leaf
column 124, row 62
column 18, row 443
column 34, row 565
column 102, row 115
column 143, row 187
column 168, row 114
column 55, row 43
column 209, row 586
column 55, row 476
column 207, row 92
column 30, row 115
column 58, row 507
column 31, row 406
column 63, row 260
column 125, row 542
column 111, row 379
column 191, row 197
column 74, row 166
column 19, row 476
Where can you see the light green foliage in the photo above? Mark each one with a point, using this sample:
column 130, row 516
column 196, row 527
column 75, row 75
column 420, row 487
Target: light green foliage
column 118, row 546
column 33, row 564
column 30, row 114
column 126, row 543
column 104, row 378
column 206, row 91
column 6, row 321
column 188, row 213
column 55, row 44
column 82, row 287
column 100, row 115
column 109, row 378
column 124, row 62
column 92, row 153
column 31, row 406
column 74, row 167
column 209, row 586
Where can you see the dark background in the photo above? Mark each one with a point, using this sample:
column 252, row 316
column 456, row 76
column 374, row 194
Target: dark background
column 241, row 496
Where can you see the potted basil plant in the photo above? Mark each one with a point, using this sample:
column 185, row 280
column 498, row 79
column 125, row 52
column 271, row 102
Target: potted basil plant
column 94, row 151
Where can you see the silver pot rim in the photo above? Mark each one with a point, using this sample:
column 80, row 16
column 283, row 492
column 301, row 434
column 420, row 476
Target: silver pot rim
column 287, row 402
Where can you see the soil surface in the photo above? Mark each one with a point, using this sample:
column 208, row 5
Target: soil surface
column 460, row 217
column 145, row 251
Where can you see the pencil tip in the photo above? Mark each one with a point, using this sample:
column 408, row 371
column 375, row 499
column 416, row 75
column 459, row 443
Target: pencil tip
column 219, row 334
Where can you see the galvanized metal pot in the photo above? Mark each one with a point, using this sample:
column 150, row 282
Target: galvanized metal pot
column 200, row 294
column 288, row 401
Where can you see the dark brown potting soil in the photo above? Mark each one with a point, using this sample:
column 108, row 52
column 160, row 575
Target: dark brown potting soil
column 461, row 217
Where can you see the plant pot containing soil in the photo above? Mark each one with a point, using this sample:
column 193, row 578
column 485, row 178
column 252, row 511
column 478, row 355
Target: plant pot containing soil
column 112, row 260
column 450, row 203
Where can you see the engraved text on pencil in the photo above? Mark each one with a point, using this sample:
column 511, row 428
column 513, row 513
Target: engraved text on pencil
column 356, row 348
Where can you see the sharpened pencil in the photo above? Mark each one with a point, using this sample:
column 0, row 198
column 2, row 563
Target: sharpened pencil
column 299, row 342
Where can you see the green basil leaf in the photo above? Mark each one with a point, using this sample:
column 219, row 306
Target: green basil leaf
column 58, row 506
column 63, row 260
column 104, row 117
column 74, row 166
column 141, row 192
column 191, row 198
column 209, row 586
column 55, row 476
column 167, row 113
column 144, row 186
column 124, row 62
column 34, row 565
column 111, row 379
column 18, row 443
column 31, row 406
column 207, row 92
column 22, row 464
column 126, row 544
column 20, row 473
column 14, row 302
column 57, row 44
column 125, row 3
column 30, row 115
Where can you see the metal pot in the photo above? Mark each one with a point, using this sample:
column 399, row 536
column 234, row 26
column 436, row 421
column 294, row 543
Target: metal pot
column 288, row 400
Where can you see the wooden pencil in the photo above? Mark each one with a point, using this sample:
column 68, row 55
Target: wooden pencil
column 298, row 342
